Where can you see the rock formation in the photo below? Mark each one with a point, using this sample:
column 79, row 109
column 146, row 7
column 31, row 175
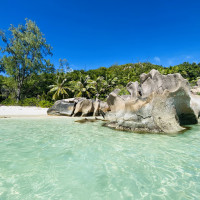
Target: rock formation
column 195, row 90
column 64, row 107
column 160, row 103
column 195, row 104
column 78, row 107
column 84, row 108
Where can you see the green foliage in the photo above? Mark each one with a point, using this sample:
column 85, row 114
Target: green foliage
column 45, row 104
column 27, row 102
column 30, row 102
column 59, row 88
column 25, row 53
column 38, row 86
column 90, row 84
column 85, row 87
column 1, row 64
column 123, row 91
column 10, row 102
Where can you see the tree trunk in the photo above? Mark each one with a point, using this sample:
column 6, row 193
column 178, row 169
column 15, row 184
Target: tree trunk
column 18, row 93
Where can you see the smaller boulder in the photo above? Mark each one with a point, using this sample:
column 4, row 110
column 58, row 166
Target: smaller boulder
column 61, row 107
column 195, row 104
column 96, row 105
column 84, row 108
column 195, row 90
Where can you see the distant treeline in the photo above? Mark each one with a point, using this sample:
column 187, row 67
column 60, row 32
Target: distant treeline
column 44, row 88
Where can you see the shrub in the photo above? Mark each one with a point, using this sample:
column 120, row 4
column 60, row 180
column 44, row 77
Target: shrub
column 27, row 102
column 123, row 91
column 45, row 104
column 30, row 102
column 10, row 102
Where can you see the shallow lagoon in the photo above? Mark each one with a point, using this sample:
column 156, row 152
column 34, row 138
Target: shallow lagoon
column 61, row 159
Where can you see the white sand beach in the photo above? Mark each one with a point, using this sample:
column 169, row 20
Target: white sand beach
column 22, row 111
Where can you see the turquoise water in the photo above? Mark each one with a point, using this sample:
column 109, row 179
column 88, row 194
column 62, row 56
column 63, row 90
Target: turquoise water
column 62, row 159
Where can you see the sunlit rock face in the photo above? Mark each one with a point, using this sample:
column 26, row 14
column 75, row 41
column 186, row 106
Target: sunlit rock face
column 78, row 107
column 85, row 108
column 159, row 104
column 64, row 107
column 195, row 104
column 195, row 90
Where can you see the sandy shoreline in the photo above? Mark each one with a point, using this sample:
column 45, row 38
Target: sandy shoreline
column 22, row 111
column 29, row 112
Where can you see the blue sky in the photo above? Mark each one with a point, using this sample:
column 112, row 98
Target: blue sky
column 94, row 33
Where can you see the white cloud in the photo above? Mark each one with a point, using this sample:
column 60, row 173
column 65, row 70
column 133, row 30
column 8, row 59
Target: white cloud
column 188, row 57
column 157, row 59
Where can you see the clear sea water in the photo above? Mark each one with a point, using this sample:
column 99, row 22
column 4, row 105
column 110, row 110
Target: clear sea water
column 55, row 159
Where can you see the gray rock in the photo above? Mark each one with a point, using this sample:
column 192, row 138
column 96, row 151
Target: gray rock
column 61, row 108
column 96, row 105
column 198, row 82
column 195, row 104
column 64, row 107
column 196, row 89
column 78, row 107
column 84, row 108
column 133, row 88
column 161, row 105
column 104, row 106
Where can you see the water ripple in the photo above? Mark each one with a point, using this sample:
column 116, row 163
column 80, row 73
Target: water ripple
column 61, row 159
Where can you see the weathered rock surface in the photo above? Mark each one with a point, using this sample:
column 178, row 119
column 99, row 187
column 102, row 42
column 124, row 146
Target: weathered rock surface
column 84, row 108
column 160, row 103
column 77, row 107
column 64, row 107
column 195, row 104
column 104, row 107
column 195, row 90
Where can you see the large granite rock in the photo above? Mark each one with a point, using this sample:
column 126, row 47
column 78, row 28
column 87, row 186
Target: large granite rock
column 78, row 107
column 159, row 104
column 84, row 108
column 64, row 107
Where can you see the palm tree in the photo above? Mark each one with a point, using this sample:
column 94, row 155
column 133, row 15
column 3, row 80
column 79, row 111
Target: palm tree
column 111, row 82
column 101, row 85
column 60, row 88
column 83, row 88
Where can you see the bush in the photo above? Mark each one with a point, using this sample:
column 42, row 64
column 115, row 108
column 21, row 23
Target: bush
column 30, row 102
column 123, row 91
column 45, row 104
column 10, row 102
column 27, row 102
